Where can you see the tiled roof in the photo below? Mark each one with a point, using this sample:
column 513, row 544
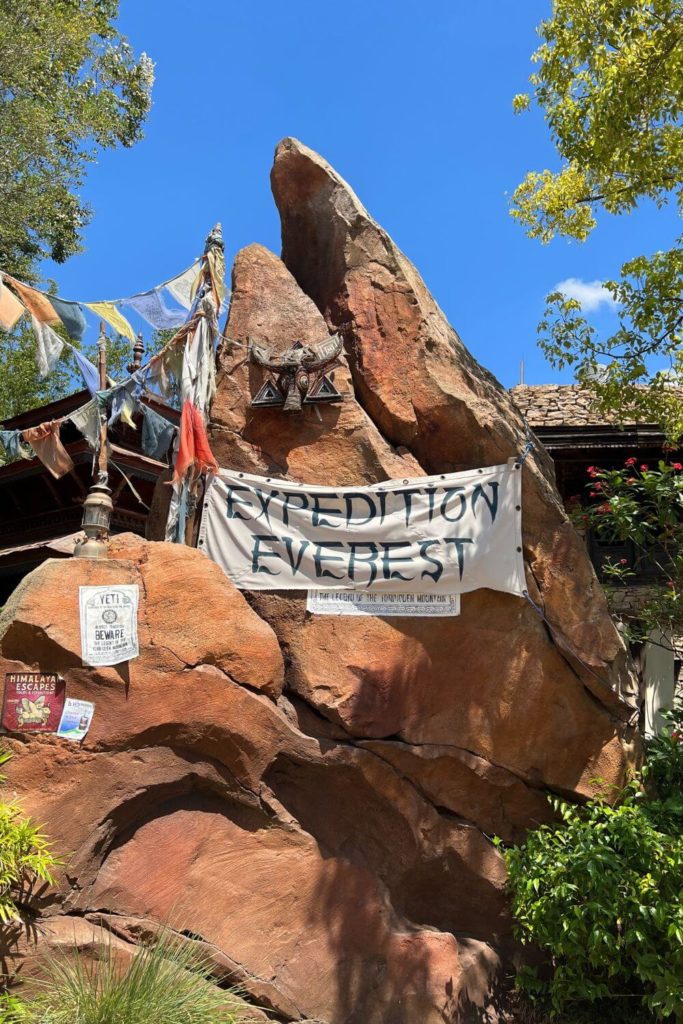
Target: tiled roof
column 556, row 405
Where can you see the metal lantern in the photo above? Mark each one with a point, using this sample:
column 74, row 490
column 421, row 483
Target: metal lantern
column 97, row 510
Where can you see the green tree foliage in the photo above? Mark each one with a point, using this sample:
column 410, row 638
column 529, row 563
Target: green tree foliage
column 601, row 895
column 69, row 84
column 20, row 386
column 610, row 83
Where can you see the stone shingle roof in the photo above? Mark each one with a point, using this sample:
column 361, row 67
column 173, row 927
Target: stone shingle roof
column 556, row 405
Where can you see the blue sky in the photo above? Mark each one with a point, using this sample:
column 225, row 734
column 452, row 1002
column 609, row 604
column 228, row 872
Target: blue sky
column 410, row 103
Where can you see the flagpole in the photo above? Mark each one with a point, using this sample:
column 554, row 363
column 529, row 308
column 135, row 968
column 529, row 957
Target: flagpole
column 98, row 506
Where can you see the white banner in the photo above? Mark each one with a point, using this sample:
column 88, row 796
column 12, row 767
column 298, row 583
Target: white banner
column 447, row 534
column 109, row 624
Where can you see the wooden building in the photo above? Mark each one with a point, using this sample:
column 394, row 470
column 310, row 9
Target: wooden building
column 40, row 517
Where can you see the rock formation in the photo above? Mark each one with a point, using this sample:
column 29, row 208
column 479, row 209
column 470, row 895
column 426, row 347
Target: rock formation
column 312, row 798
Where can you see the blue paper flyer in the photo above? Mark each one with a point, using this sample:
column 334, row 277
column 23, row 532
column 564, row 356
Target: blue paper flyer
column 76, row 718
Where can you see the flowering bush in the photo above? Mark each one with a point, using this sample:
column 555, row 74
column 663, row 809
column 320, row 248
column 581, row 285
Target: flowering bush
column 642, row 505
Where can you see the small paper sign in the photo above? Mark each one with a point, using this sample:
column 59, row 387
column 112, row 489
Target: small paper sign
column 357, row 602
column 109, row 624
column 33, row 701
column 76, row 718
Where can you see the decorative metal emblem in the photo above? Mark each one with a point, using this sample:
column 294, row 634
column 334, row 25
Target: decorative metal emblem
column 298, row 376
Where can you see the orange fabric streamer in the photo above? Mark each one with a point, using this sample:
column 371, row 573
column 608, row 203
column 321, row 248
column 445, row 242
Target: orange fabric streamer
column 35, row 302
column 193, row 446
column 10, row 308
column 47, row 445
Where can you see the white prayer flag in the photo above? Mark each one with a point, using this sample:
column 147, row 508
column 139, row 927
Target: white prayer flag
column 151, row 306
column 181, row 287
column 48, row 347
column 447, row 534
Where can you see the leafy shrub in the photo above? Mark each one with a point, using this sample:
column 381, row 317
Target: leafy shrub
column 13, row 1010
column 664, row 768
column 24, row 855
column 644, row 506
column 167, row 983
column 601, row 895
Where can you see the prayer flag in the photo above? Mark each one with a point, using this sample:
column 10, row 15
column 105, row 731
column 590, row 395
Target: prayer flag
column 157, row 434
column 47, row 445
column 193, row 449
column 181, row 287
column 10, row 308
column 216, row 262
column 71, row 315
column 87, row 420
column 37, row 303
column 90, row 373
column 49, row 347
column 11, row 442
column 123, row 405
column 151, row 306
column 109, row 312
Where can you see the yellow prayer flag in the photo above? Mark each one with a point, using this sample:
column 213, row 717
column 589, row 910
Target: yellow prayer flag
column 109, row 312
column 10, row 308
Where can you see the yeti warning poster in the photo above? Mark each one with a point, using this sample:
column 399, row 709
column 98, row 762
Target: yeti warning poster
column 109, row 624
column 447, row 534
column 33, row 701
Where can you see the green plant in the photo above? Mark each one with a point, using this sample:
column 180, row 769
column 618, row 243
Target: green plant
column 601, row 895
column 24, row 855
column 165, row 983
column 13, row 1010
column 664, row 768
column 642, row 505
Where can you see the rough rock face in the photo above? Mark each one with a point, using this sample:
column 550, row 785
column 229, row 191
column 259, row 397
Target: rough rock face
column 314, row 798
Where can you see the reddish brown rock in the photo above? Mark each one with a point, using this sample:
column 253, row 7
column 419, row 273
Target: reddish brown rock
column 189, row 614
column 195, row 802
column 469, row 786
column 334, row 443
column 425, row 392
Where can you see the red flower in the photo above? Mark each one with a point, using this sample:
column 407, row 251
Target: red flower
column 677, row 465
column 631, row 480
column 670, row 583
column 593, row 494
column 605, row 507
column 644, row 467
column 623, row 561
column 631, row 462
